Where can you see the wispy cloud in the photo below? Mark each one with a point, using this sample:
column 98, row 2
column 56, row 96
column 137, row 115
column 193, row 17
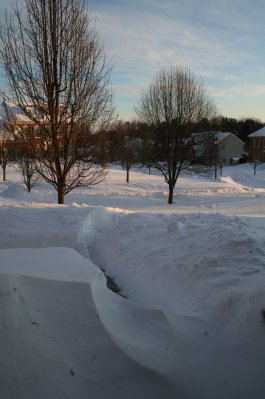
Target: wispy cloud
column 246, row 90
column 183, row 37
column 220, row 40
column 215, row 39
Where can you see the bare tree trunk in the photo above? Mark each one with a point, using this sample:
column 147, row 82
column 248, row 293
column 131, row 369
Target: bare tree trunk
column 3, row 163
column 125, row 145
column 170, row 194
column 60, row 194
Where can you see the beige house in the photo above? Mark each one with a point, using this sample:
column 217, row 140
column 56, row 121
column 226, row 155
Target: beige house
column 230, row 147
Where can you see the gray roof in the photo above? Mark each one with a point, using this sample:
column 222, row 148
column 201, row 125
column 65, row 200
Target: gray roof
column 258, row 133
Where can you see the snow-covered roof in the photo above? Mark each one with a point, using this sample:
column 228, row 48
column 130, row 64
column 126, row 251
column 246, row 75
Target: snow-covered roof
column 221, row 135
column 14, row 110
column 258, row 133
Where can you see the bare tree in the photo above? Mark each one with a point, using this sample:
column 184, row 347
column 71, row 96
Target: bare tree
column 146, row 148
column 29, row 173
column 57, row 71
column 127, row 145
column 102, row 147
column 18, row 138
column 172, row 104
column 26, row 158
column 5, row 143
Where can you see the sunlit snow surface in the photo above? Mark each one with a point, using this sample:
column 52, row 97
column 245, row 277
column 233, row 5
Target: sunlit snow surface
column 193, row 274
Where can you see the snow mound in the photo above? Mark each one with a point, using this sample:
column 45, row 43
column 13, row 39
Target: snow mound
column 97, row 221
column 224, row 281
column 52, row 332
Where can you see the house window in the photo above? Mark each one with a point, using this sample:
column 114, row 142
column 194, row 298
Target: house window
column 37, row 132
column 224, row 147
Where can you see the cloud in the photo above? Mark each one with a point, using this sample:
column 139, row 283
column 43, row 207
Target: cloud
column 219, row 40
column 137, row 37
column 247, row 90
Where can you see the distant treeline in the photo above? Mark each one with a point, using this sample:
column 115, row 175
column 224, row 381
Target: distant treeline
column 240, row 127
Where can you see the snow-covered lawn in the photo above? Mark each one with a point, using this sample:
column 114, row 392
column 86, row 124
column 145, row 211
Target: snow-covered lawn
column 191, row 321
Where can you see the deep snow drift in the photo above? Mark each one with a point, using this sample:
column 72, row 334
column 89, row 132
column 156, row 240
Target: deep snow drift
column 190, row 323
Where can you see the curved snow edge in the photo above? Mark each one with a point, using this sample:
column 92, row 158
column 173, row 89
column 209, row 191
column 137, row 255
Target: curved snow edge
column 143, row 334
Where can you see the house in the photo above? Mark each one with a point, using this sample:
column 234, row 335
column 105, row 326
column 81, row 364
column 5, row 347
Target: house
column 26, row 128
column 224, row 148
column 230, row 147
column 13, row 121
column 256, row 145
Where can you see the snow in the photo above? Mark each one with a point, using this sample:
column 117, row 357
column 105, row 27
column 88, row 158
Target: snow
column 13, row 110
column 189, row 323
column 258, row 133
column 222, row 135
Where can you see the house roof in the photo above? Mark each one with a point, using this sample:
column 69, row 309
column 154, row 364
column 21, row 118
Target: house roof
column 221, row 135
column 258, row 133
column 14, row 111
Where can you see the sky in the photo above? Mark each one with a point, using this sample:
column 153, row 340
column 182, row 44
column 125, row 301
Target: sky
column 221, row 41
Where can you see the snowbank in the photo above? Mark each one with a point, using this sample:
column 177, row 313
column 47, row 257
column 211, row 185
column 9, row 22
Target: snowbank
column 53, row 344
column 192, row 325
